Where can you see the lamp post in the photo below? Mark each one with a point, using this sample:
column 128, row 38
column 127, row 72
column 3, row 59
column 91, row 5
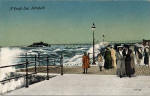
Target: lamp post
column 93, row 29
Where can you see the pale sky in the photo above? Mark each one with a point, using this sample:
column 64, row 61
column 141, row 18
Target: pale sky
column 70, row 21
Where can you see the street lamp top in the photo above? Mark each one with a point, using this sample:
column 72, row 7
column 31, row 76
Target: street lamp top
column 93, row 27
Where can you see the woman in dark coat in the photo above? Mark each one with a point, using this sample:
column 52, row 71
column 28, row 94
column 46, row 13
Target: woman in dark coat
column 146, row 56
column 108, row 60
column 129, row 63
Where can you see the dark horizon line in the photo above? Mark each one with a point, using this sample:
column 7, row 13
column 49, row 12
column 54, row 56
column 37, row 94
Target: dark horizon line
column 90, row 43
column 127, row 41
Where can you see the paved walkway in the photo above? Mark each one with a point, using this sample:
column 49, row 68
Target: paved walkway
column 81, row 84
column 139, row 70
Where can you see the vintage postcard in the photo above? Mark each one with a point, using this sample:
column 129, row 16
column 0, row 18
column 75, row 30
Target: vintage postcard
column 74, row 47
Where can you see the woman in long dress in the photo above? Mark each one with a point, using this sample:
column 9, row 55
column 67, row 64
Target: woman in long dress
column 139, row 56
column 120, row 62
column 100, row 61
column 146, row 56
column 129, row 63
column 113, row 56
column 108, row 60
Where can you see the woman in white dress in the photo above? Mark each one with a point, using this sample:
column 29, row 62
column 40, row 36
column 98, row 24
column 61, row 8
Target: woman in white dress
column 100, row 61
column 120, row 62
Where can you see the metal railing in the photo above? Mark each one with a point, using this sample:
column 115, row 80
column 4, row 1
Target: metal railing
column 36, row 59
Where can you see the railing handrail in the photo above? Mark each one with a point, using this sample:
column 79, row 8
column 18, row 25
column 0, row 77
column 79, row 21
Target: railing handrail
column 30, row 62
column 12, row 65
column 37, row 59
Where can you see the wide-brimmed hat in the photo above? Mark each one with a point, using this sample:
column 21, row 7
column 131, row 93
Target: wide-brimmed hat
column 126, row 46
column 112, row 46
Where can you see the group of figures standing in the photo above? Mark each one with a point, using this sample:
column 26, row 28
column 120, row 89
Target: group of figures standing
column 139, row 52
column 121, row 58
column 125, row 62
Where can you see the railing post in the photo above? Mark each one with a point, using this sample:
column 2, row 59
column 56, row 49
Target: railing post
column 47, row 67
column 27, row 85
column 35, row 64
column 61, row 64
column 39, row 58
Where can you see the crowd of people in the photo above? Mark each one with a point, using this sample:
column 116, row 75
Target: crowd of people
column 122, row 58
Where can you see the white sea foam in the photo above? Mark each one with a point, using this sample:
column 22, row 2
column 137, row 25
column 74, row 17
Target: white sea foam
column 8, row 57
column 77, row 59
column 97, row 47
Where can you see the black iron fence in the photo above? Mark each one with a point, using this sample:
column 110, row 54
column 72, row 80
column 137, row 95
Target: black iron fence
column 38, row 59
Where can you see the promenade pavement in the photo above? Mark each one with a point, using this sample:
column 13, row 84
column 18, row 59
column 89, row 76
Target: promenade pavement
column 86, row 84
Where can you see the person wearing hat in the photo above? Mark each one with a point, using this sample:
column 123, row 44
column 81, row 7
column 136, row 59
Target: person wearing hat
column 139, row 56
column 120, row 62
column 100, row 61
column 113, row 56
column 129, row 62
column 146, row 55
column 108, row 60
column 85, row 63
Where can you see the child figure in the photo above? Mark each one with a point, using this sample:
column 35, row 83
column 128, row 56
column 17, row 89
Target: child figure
column 100, row 61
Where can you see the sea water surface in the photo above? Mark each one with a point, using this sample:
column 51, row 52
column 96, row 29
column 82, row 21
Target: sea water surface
column 72, row 54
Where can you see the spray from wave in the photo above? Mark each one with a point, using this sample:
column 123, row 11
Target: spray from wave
column 8, row 57
column 77, row 59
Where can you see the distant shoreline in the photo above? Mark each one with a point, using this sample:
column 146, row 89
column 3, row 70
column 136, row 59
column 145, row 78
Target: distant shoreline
column 90, row 43
column 50, row 44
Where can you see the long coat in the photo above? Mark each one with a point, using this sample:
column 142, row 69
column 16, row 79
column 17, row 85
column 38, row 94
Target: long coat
column 120, row 64
column 113, row 56
column 85, row 61
column 146, row 58
column 138, row 58
column 108, row 60
column 132, row 62
column 129, row 63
